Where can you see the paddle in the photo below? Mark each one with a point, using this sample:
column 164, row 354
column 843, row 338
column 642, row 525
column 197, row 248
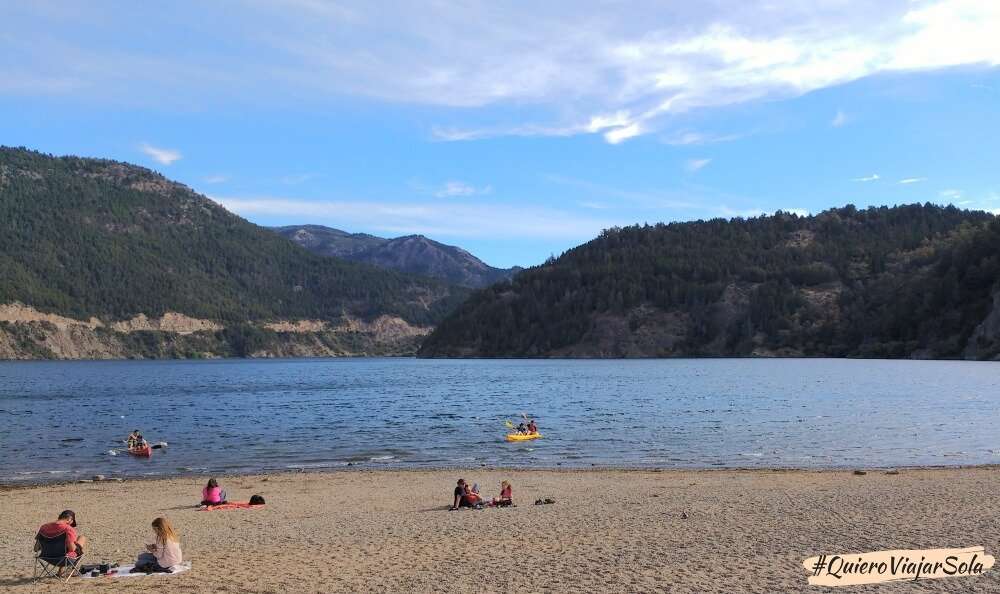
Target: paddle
column 155, row 446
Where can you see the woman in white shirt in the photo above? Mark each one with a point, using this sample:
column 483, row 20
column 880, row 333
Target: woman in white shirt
column 164, row 553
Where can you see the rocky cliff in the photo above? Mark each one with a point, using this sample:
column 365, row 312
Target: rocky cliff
column 26, row 333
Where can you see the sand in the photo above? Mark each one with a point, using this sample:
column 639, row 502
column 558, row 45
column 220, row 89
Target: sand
column 609, row 531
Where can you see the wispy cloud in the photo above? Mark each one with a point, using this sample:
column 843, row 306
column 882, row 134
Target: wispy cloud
column 950, row 194
column 690, row 138
column 867, row 178
column 616, row 127
column 604, row 193
column 693, row 165
column 839, row 119
column 692, row 201
column 163, row 156
column 462, row 219
column 911, row 180
column 458, row 188
column 569, row 65
column 216, row 179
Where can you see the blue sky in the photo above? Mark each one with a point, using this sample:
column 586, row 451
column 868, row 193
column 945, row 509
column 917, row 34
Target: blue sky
column 518, row 132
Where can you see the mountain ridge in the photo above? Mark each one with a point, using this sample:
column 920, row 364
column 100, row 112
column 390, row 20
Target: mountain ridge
column 95, row 238
column 912, row 281
column 413, row 254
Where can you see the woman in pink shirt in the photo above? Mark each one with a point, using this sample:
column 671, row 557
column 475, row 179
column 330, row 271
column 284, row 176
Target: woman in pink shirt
column 212, row 494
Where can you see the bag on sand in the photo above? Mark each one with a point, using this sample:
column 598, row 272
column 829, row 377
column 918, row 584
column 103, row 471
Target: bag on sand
column 256, row 500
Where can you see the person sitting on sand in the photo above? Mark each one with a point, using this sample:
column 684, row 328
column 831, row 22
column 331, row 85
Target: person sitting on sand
column 65, row 524
column 164, row 553
column 212, row 494
column 472, row 496
column 464, row 497
column 506, row 498
column 532, row 427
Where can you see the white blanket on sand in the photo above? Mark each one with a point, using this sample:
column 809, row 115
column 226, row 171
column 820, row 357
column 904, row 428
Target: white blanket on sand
column 123, row 572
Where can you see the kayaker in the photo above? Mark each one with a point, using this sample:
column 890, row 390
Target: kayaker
column 532, row 427
column 212, row 494
column 65, row 524
column 164, row 553
column 522, row 429
column 134, row 439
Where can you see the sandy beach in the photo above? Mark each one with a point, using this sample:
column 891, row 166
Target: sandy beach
column 608, row 531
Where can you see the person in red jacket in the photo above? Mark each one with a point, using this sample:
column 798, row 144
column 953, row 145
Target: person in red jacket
column 506, row 496
column 66, row 523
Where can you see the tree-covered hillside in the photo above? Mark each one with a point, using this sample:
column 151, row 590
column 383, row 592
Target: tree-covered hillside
column 89, row 237
column 908, row 281
column 414, row 254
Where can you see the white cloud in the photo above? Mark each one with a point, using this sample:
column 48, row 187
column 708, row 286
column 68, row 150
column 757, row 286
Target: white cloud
column 950, row 194
column 458, row 188
column 868, row 178
column 617, row 135
column 911, row 180
column 839, row 119
column 162, row 156
column 564, row 63
column 693, row 165
column 216, row 179
column 994, row 211
column 689, row 138
column 462, row 219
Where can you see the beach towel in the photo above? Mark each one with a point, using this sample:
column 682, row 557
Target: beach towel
column 123, row 572
column 231, row 505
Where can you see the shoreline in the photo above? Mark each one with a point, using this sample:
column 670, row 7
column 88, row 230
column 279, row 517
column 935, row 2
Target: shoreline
column 417, row 357
column 626, row 530
column 359, row 468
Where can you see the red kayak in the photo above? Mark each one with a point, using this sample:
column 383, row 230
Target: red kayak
column 143, row 452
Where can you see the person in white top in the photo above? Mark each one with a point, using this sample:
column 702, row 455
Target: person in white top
column 164, row 553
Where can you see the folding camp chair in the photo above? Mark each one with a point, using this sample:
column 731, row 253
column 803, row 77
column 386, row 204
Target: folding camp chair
column 51, row 560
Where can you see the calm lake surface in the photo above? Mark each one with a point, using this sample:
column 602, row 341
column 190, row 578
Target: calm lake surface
column 61, row 420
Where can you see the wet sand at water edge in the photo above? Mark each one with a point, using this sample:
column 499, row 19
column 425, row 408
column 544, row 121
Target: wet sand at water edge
column 608, row 530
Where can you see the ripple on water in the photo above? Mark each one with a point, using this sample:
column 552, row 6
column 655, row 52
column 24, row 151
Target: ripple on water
column 294, row 414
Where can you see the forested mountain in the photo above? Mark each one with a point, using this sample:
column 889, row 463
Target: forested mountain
column 90, row 238
column 909, row 281
column 414, row 254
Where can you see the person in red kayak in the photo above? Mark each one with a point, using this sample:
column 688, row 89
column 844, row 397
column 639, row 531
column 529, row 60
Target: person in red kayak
column 65, row 524
column 136, row 440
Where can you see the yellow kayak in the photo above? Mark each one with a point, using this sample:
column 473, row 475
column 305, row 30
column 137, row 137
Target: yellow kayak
column 522, row 436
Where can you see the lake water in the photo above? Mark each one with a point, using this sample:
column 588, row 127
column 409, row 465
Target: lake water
column 61, row 420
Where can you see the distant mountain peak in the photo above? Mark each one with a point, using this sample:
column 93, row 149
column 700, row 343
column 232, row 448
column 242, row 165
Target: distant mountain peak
column 414, row 254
